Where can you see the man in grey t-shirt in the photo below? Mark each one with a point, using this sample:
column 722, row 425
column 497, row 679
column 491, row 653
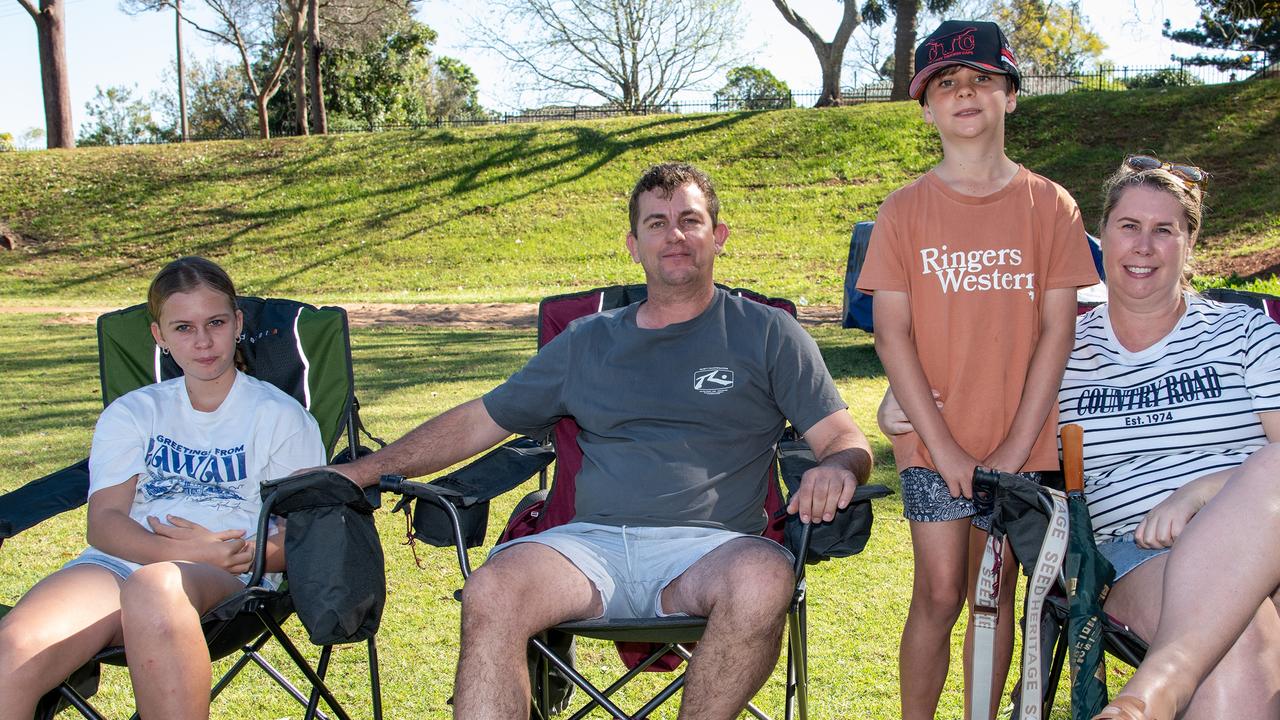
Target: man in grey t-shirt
column 681, row 400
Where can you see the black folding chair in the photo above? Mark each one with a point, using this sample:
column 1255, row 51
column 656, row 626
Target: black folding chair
column 303, row 350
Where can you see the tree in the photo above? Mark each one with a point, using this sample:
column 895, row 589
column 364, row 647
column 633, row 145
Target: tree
column 1163, row 78
column 632, row 54
column 117, row 118
column 52, row 42
column 250, row 27
column 830, row 54
column 1250, row 27
column 396, row 81
column 220, row 105
column 753, row 88
column 901, row 66
column 1048, row 38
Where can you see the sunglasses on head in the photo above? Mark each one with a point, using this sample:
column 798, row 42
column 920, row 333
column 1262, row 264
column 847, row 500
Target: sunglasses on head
column 1187, row 173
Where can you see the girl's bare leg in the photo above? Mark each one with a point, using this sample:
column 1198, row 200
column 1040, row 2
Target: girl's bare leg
column 161, row 605
column 62, row 622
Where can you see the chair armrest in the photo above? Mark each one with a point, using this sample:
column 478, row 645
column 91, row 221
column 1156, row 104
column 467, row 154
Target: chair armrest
column 39, row 500
column 453, row 510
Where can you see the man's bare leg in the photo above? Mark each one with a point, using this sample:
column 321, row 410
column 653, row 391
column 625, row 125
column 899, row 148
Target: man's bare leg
column 516, row 594
column 744, row 589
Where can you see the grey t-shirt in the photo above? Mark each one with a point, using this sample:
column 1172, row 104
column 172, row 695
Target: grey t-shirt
column 678, row 424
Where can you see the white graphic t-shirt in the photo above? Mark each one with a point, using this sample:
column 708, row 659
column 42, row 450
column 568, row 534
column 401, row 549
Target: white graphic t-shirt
column 1186, row 406
column 204, row 467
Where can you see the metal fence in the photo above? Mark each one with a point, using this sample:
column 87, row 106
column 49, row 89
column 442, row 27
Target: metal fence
column 1101, row 78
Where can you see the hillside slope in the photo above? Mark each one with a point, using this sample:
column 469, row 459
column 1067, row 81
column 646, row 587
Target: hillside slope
column 512, row 213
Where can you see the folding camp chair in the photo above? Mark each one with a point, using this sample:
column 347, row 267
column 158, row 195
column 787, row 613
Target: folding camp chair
column 306, row 352
column 452, row 511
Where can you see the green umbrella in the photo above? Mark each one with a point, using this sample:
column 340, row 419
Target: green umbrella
column 1088, row 577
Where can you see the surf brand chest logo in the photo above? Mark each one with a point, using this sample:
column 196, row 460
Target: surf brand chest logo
column 713, row 380
column 977, row 270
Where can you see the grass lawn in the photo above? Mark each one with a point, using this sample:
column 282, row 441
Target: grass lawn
column 518, row 212
column 405, row 374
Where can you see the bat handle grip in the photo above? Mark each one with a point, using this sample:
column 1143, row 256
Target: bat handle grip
column 1073, row 457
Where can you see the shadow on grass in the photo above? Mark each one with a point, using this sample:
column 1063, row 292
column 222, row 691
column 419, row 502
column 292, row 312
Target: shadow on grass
column 522, row 165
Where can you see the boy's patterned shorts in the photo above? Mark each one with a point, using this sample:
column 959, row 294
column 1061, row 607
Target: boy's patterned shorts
column 925, row 498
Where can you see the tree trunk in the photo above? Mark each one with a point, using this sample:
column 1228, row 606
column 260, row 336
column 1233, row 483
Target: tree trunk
column 51, row 34
column 830, row 54
column 183, row 127
column 264, row 130
column 904, row 48
column 301, row 121
column 319, row 115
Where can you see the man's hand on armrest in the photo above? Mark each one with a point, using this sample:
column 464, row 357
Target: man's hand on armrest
column 844, row 462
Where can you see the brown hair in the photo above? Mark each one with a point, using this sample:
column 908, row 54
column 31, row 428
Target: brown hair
column 666, row 178
column 1189, row 195
column 184, row 275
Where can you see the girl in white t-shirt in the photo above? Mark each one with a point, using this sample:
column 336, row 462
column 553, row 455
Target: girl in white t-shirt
column 173, row 506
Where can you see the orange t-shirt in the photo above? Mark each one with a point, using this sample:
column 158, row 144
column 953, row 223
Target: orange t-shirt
column 975, row 270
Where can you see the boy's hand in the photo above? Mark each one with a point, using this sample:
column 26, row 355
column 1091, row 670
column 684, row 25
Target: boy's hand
column 1006, row 458
column 956, row 468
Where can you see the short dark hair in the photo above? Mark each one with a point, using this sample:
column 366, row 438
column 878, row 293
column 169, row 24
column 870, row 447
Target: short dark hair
column 665, row 178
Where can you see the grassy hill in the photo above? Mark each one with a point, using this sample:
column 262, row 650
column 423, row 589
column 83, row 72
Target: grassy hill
column 512, row 213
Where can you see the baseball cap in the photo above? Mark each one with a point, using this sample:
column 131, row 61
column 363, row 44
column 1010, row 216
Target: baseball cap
column 977, row 44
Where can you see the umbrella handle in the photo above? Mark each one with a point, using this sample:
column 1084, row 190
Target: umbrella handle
column 1073, row 457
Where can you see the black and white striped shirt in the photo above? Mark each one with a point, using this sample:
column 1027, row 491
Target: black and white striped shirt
column 1184, row 407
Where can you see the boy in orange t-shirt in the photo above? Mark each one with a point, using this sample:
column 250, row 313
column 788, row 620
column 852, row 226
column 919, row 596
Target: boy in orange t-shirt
column 974, row 267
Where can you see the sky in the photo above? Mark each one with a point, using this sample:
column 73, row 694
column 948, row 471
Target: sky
column 106, row 47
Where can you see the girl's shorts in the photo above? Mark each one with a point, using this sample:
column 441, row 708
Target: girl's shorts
column 926, row 498
column 1125, row 555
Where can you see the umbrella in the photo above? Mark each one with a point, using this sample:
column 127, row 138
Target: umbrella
column 1088, row 577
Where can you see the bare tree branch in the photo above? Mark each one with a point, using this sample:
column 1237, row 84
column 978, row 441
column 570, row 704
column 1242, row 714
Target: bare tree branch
column 634, row 54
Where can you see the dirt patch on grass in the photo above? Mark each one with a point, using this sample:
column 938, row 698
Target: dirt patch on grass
column 473, row 316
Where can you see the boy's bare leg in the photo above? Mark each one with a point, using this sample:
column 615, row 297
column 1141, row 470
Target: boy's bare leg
column 1005, row 623
column 938, row 595
column 744, row 589
column 161, row 605
column 516, row 594
column 1216, row 626
column 62, row 622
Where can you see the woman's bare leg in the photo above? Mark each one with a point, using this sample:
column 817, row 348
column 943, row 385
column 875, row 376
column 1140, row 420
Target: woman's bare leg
column 62, row 622
column 1215, row 631
column 161, row 605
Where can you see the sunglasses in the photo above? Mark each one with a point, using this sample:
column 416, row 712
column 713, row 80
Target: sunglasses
column 1186, row 173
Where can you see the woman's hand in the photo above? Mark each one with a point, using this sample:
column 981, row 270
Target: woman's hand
column 892, row 419
column 226, row 549
column 1166, row 521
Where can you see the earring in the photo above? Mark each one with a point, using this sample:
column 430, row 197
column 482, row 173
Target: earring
column 240, row 338
column 164, row 351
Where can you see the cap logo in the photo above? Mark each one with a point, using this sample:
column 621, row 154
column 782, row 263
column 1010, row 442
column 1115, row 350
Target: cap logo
column 961, row 43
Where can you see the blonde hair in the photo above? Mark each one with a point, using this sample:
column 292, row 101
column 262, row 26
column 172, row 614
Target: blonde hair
column 1188, row 194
